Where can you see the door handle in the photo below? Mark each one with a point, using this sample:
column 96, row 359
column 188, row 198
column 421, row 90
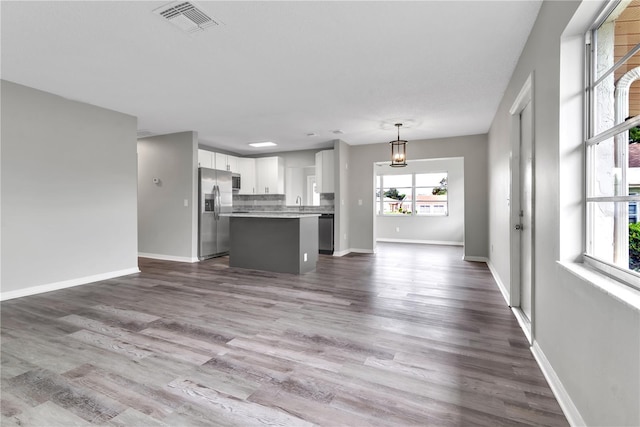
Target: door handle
column 518, row 227
column 216, row 204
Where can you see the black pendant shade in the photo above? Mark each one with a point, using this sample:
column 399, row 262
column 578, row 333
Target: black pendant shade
column 398, row 150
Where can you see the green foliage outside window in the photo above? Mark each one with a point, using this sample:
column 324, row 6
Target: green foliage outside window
column 634, row 246
column 442, row 189
column 392, row 193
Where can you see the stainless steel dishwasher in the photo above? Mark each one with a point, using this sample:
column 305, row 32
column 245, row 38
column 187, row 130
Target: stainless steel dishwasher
column 325, row 234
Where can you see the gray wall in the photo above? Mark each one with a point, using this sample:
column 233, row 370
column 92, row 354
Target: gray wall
column 590, row 339
column 167, row 229
column 68, row 191
column 427, row 229
column 473, row 149
column 342, row 156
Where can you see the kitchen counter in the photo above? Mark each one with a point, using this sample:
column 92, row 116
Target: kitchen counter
column 285, row 242
column 271, row 215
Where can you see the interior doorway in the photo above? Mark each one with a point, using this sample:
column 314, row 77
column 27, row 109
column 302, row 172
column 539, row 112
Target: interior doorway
column 522, row 204
column 526, row 198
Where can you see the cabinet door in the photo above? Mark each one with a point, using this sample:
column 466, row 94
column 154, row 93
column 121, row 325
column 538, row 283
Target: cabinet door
column 319, row 172
column 324, row 171
column 232, row 163
column 205, row 159
column 270, row 175
column 247, row 171
column 221, row 161
column 327, row 171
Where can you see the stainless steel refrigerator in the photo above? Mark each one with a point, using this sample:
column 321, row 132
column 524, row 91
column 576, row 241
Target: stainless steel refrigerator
column 215, row 199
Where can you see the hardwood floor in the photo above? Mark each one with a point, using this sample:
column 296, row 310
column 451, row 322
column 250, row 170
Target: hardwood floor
column 410, row 336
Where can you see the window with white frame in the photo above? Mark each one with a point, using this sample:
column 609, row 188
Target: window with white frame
column 613, row 130
column 423, row 194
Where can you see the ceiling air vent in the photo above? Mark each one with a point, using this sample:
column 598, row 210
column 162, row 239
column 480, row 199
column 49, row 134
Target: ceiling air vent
column 143, row 133
column 185, row 16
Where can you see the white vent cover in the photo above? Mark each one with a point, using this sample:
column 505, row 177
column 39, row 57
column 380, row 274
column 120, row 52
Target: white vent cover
column 185, row 16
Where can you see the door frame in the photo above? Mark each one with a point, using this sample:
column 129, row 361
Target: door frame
column 525, row 96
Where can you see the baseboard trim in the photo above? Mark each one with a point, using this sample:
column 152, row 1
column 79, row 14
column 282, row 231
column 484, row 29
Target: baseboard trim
column 421, row 242
column 167, row 257
column 34, row 290
column 524, row 322
column 474, row 258
column 501, row 286
column 354, row 250
column 341, row 253
column 566, row 404
column 362, row 251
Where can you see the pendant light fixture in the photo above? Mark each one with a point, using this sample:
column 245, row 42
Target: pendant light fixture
column 398, row 150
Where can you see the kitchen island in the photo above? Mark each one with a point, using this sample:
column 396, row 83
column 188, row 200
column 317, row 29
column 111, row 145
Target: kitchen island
column 279, row 242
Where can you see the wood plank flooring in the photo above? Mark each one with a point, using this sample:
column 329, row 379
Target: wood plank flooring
column 410, row 336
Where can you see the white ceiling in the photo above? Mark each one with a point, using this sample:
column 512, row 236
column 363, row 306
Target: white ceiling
column 275, row 71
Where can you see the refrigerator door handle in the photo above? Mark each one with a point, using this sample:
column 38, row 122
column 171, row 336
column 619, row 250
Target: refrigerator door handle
column 217, row 202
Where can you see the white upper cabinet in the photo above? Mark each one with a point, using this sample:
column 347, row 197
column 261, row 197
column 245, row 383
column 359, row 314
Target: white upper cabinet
column 269, row 175
column 232, row 164
column 325, row 171
column 223, row 162
column 206, row 159
column 247, row 169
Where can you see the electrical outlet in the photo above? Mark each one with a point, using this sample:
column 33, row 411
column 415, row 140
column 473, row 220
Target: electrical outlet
column 186, row 203
column 359, row 202
column 305, row 257
column 397, row 229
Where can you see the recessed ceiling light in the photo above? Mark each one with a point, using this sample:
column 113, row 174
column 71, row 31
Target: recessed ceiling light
column 263, row 144
column 312, row 134
column 338, row 132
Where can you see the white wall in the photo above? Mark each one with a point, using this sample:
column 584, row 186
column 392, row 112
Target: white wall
column 590, row 339
column 167, row 229
column 68, row 192
column 361, row 181
column 447, row 229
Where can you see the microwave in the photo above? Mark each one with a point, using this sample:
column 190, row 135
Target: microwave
column 235, row 182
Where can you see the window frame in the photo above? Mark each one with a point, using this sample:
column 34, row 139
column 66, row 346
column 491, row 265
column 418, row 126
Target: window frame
column 381, row 188
column 627, row 276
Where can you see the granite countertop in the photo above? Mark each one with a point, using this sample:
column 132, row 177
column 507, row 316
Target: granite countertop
column 271, row 215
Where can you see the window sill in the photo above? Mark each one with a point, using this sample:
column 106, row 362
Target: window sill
column 609, row 286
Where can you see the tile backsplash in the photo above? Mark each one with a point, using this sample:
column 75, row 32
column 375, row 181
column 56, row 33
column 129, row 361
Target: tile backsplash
column 276, row 202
